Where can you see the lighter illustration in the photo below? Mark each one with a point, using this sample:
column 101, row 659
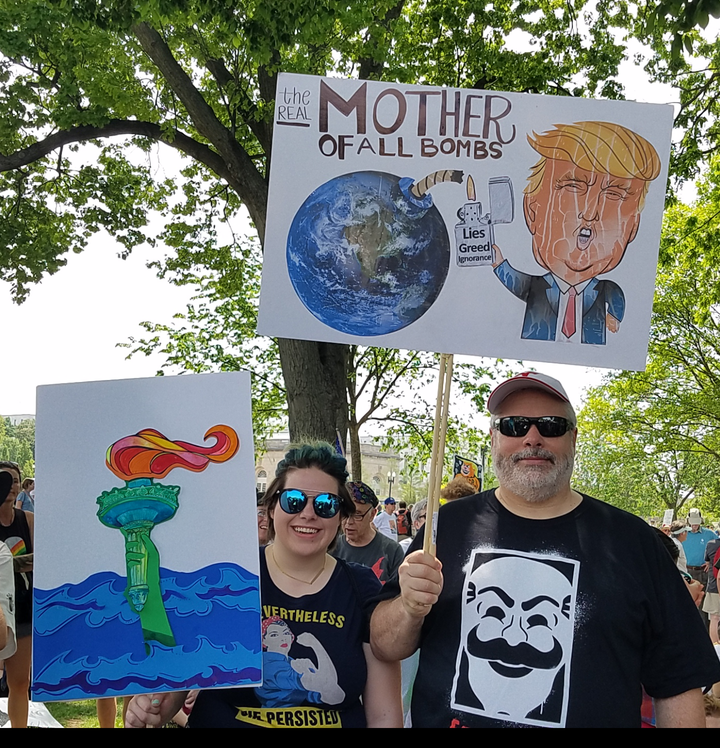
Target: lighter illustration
column 474, row 234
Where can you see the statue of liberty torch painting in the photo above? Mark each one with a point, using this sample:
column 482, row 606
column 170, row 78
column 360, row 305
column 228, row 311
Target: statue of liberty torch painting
column 142, row 503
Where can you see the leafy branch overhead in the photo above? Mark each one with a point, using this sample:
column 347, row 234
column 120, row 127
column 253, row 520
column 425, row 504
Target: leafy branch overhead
column 88, row 87
column 97, row 97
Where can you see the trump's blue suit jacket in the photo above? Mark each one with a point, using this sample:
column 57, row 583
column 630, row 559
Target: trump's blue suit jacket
column 542, row 297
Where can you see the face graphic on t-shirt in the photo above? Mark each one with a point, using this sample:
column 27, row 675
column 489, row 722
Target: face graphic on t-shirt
column 517, row 631
column 278, row 638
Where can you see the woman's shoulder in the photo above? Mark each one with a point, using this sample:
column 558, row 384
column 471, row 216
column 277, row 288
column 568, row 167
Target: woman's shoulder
column 363, row 580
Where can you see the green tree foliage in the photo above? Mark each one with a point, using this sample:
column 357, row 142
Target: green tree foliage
column 17, row 444
column 216, row 332
column 616, row 465
column 684, row 52
column 89, row 87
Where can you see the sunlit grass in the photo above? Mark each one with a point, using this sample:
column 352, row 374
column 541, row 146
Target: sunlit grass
column 80, row 713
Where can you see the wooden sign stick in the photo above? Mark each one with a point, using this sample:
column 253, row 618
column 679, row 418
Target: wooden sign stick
column 437, row 459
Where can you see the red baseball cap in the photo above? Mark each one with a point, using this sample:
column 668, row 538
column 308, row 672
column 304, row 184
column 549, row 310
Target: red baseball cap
column 528, row 380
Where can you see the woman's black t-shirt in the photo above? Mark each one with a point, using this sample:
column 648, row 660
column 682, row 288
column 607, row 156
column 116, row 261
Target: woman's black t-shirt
column 19, row 541
column 314, row 668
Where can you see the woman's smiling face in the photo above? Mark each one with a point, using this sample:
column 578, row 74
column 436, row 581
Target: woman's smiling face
column 305, row 533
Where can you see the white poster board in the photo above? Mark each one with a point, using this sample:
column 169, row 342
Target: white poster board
column 464, row 221
column 146, row 562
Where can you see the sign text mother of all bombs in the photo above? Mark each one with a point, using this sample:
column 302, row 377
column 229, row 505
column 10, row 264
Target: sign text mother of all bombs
column 447, row 123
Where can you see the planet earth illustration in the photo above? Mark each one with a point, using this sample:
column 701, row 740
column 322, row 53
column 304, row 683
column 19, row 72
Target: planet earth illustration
column 365, row 255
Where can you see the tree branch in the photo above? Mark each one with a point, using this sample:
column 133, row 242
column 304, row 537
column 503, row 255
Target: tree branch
column 371, row 67
column 244, row 177
column 115, row 128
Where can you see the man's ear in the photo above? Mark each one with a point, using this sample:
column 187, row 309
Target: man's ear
column 530, row 211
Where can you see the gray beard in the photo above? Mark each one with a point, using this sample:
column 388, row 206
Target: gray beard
column 534, row 484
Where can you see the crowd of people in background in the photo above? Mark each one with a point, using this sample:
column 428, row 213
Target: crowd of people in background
column 381, row 625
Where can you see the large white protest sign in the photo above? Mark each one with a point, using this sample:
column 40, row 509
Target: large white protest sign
column 146, row 563
column 464, row 221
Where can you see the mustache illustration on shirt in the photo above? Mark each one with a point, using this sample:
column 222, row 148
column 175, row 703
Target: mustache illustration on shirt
column 513, row 661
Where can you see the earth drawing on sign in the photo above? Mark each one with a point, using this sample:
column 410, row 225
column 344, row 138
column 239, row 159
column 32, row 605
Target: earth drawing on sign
column 368, row 252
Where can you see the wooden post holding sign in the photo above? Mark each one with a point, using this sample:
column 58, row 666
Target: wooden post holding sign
column 437, row 458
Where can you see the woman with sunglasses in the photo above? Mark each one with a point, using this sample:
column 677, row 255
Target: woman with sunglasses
column 318, row 666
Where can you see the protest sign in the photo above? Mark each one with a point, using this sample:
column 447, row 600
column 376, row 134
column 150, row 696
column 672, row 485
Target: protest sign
column 146, row 570
column 464, row 221
column 468, row 469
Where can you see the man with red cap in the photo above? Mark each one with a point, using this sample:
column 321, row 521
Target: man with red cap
column 544, row 607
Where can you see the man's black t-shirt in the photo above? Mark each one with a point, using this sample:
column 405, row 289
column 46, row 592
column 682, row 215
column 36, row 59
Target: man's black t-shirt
column 553, row 622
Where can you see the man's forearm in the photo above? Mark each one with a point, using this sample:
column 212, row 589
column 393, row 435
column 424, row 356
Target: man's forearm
column 684, row 710
column 394, row 633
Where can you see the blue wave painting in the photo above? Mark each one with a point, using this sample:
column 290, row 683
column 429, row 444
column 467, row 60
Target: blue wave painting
column 89, row 643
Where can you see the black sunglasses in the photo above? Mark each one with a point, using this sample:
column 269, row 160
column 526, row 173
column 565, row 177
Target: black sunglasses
column 548, row 426
column 293, row 501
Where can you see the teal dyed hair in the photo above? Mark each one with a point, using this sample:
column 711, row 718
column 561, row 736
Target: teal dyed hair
column 318, row 454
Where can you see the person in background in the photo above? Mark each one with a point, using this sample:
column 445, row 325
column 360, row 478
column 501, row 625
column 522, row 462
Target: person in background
column 711, row 604
column 26, row 497
column 696, row 590
column 694, row 545
column 106, row 711
column 402, row 519
column 678, row 533
column 385, row 521
column 362, row 543
column 262, row 521
column 7, row 586
column 418, row 515
column 16, row 530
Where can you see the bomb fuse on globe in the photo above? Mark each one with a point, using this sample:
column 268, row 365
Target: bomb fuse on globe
column 414, row 198
column 474, row 235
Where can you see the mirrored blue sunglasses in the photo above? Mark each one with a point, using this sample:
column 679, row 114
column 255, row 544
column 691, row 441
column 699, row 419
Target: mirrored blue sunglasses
column 293, row 501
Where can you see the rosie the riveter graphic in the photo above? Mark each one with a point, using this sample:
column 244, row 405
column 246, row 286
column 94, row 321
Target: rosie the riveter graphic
column 582, row 205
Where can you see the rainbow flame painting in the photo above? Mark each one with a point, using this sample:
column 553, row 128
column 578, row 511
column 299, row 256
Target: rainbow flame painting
column 146, row 564
column 142, row 504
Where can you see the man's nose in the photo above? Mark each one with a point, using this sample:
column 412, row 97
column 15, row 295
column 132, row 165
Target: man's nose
column 513, row 633
column 533, row 436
